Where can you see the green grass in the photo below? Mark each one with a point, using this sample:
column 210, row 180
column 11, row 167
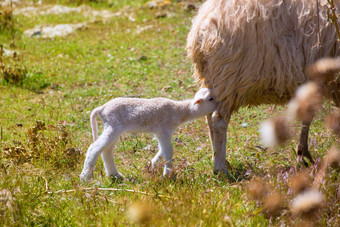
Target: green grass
column 69, row 76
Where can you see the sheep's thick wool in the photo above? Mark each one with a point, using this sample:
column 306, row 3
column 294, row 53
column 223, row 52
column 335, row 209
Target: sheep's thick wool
column 256, row 52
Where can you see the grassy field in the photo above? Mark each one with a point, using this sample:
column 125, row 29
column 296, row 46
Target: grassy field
column 53, row 85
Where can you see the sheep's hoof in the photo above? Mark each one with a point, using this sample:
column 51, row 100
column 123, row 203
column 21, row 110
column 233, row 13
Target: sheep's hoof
column 300, row 159
column 117, row 177
column 302, row 154
column 224, row 173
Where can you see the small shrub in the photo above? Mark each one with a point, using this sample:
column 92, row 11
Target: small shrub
column 43, row 147
column 6, row 18
column 16, row 74
column 35, row 81
column 12, row 72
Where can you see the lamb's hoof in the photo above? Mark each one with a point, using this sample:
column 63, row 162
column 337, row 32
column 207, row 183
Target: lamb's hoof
column 169, row 173
column 151, row 165
column 85, row 176
column 166, row 171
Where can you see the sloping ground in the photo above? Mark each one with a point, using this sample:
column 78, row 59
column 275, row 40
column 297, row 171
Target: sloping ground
column 48, row 31
column 139, row 51
column 92, row 15
column 60, row 9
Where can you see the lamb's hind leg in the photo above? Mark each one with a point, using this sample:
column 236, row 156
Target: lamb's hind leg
column 165, row 150
column 218, row 136
column 303, row 144
column 109, row 163
column 102, row 143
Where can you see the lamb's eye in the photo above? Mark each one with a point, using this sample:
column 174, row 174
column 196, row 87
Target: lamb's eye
column 211, row 99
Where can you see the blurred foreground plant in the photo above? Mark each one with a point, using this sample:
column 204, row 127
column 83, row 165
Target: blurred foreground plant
column 310, row 200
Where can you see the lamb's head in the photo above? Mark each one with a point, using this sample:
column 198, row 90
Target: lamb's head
column 204, row 102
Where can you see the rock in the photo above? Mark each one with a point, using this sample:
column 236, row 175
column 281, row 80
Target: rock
column 188, row 6
column 244, row 125
column 142, row 58
column 9, row 53
column 166, row 88
column 53, row 31
column 142, row 29
column 152, row 4
column 161, row 15
column 37, row 33
column 158, row 4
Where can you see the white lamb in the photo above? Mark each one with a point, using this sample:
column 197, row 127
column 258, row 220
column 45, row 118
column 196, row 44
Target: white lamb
column 159, row 116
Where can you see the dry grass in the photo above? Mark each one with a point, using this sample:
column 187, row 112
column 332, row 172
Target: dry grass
column 45, row 133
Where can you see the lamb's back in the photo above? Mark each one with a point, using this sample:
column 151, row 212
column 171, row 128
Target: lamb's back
column 138, row 114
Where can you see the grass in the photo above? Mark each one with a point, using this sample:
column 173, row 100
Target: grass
column 45, row 130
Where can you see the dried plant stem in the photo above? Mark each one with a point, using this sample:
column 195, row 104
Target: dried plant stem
column 334, row 17
column 330, row 160
column 319, row 177
column 46, row 184
column 2, row 64
column 318, row 24
column 110, row 189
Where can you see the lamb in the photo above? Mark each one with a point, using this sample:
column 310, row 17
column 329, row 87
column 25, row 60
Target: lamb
column 159, row 116
column 256, row 52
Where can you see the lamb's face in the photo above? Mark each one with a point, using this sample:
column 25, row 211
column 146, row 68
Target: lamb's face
column 204, row 101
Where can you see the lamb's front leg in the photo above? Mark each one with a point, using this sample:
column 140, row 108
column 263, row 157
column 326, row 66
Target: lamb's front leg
column 165, row 150
column 155, row 159
column 218, row 136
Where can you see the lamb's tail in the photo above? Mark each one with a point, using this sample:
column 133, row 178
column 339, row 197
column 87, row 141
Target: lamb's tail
column 93, row 120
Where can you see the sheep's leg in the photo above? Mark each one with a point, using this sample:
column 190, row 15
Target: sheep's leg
column 166, row 150
column 218, row 135
column 303, row 144
column 102, row 143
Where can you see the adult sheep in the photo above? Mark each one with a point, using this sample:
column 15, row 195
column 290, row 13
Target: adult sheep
column 255, row 52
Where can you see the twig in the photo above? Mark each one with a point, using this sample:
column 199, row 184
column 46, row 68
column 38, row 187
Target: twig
column 319, row 176
column 110, row 189
column 334, row 17
column 250, row 166
column 261, row 148
column 2, row 64
column 318, row 25
column 46, row 184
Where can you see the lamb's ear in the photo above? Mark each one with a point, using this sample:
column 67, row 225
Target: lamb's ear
column 198, row 101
